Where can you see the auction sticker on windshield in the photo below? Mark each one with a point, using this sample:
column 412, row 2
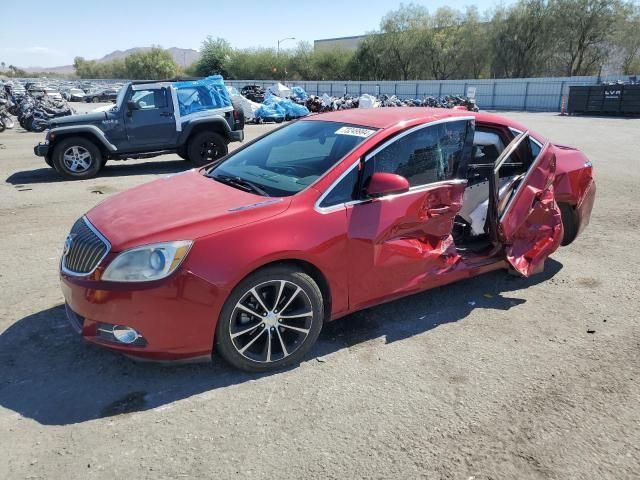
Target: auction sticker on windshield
column 355, row 131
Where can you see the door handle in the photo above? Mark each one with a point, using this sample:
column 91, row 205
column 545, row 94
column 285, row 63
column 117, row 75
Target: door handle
column 165, row 114
column 438, row 211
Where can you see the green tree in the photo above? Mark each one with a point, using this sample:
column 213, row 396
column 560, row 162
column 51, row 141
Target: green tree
column 152, row 64
column 582, row 29
column 402, row 47
column 474, row 45
column 215, row 57
column 627, row 39
column 521, row 39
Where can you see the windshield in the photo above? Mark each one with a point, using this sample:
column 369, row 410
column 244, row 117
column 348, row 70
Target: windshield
column 291, row 158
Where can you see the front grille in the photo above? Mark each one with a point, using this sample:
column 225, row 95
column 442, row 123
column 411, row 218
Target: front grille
column 84, row 248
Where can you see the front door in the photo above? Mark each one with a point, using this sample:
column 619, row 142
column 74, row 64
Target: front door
column 397, row 242
column 530, row 225
column 151, row 124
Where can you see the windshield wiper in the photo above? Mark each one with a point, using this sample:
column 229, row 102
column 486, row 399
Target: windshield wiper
column 240, row 183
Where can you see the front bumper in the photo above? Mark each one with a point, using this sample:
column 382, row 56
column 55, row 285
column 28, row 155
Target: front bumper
column 176, row 317
column 41, row 150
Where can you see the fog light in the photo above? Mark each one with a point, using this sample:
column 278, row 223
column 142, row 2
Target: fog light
column 125, row 334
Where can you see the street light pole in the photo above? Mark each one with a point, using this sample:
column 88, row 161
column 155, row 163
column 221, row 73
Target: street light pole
column 283, row 40
column 278, row 52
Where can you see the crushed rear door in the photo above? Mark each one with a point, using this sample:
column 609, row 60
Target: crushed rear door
column 529, row 227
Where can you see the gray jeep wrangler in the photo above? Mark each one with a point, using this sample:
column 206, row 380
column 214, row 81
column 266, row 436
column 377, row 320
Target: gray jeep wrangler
column 195, row 119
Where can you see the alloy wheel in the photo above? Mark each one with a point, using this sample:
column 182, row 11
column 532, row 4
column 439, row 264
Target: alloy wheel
column 271, row 321
column 209, row 151
column 77, row 159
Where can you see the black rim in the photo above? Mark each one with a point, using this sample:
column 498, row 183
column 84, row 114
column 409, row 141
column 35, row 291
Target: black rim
column 271, row 321
column 209, row 150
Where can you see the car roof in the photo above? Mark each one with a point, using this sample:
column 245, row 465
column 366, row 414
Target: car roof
column 392, row 116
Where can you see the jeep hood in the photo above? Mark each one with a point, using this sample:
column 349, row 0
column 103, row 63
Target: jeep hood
column 185, row 206
column 78, row 119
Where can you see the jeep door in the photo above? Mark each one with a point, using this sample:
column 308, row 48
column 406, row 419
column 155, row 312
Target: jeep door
column 399, row 242
column 149, row 118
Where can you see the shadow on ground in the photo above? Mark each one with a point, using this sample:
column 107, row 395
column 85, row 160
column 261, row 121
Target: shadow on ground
column 112, row 169
column 51, row 376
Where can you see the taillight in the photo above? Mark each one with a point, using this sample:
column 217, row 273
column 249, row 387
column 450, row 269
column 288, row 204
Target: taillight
column 235, row 115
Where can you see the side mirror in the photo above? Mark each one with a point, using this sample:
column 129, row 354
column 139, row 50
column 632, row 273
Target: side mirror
column 132, row 106
column 382, row 183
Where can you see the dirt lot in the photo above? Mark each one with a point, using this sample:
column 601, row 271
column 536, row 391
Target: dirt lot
column 495, row 377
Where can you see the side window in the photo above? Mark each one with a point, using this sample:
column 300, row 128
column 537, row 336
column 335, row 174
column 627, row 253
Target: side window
column 428, row 155
column 148, row 99
column 535, row 148
column 344, row 191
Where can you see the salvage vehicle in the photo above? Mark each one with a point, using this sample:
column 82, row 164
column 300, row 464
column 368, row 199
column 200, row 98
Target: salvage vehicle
column 107, row 95
column 325, row 216
column 195, row 119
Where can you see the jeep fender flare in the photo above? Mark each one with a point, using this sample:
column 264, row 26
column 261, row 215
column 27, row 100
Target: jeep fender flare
column 92, row 130
column 187, row 128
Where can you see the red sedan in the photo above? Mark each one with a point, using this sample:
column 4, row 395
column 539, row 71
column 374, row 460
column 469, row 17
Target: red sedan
column 322, row 217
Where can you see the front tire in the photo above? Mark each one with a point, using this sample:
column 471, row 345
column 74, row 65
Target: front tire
column 77, row 158
column 206, row 147
column 270, row 320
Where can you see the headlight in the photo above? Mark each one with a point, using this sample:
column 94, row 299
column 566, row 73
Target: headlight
column 147, row 263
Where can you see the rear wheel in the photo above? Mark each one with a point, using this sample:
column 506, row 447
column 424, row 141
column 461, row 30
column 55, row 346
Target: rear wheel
column 205, row 147
column 95, row 100
column 569, row 223
column 77, row 158
column 270, row 320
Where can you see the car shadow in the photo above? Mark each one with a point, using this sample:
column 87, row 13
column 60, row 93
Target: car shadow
column 112, row 169
column 49, row 375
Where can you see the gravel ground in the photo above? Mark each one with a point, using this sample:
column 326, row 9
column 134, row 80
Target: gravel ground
column 491, row 378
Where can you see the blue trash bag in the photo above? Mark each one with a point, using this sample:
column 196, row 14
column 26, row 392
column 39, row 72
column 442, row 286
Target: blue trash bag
column 299, row 93
column 271, row 111
column 199, row 95
column 290, row 108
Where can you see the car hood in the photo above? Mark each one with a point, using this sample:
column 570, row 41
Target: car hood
column 184, row 206
column 76, row 119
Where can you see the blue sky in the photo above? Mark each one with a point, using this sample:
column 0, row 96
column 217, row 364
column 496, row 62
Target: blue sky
column 59, row 31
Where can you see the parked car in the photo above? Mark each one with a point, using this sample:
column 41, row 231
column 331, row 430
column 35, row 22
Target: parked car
column 73, row 94
column 147, row 120
column 328, row 215
column 108, row 95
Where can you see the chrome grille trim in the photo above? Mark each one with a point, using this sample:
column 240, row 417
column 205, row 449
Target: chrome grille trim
column 88, row 249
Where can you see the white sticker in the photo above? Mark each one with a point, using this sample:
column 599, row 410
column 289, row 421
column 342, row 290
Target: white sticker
column 355, row 131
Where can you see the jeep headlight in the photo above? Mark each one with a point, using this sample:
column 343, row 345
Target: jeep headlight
column 147, row 263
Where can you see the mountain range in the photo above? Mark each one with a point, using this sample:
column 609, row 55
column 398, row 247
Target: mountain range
column 182, row 56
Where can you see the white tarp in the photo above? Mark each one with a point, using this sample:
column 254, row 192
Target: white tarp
column 280, row 90
column 368, row 101
column 248, row 108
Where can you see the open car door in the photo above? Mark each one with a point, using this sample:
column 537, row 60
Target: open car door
column 529, row 227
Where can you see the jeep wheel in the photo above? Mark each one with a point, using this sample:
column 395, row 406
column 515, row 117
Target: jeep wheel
column 77, row 158
column 205, row 147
